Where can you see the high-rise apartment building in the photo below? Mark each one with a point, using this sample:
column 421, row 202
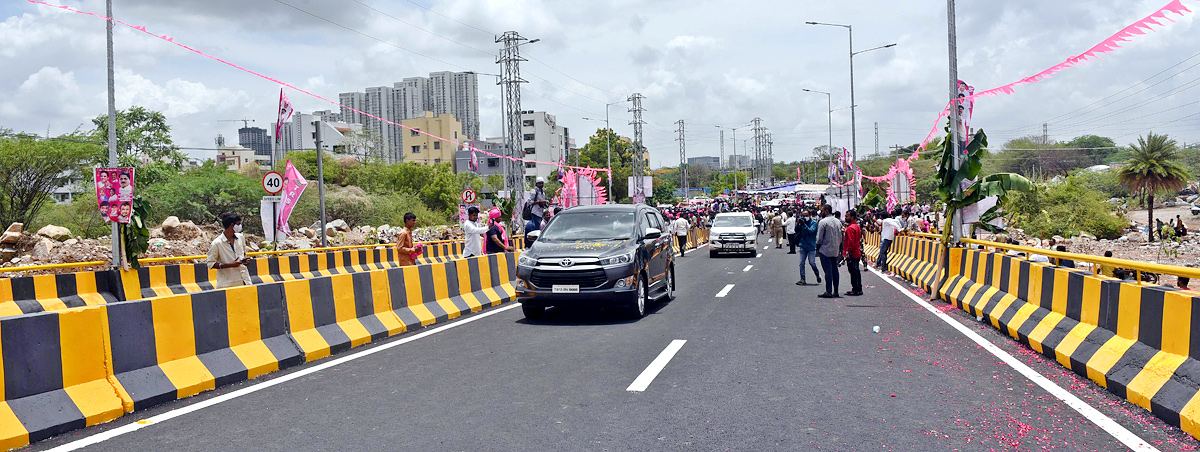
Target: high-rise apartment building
column 455, row 93
column 255, row 138
column 300, row 134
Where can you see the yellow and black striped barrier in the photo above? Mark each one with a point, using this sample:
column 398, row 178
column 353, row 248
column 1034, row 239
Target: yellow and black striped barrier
column 66, row 369
column 29, row 294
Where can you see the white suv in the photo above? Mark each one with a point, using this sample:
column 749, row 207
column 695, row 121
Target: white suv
column 732, row 232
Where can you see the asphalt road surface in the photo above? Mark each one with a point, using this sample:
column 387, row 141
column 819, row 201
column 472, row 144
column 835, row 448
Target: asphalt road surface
column 767, row 366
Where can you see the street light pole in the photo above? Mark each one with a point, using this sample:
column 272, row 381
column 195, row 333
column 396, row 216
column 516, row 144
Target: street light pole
column 829, row 107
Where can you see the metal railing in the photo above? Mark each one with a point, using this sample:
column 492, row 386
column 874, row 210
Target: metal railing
column 153, row 260
column 1095, row 261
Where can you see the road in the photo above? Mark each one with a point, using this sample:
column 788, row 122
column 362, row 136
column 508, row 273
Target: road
column 768, row 366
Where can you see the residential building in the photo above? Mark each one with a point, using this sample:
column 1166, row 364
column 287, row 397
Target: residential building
column 456, row 93
column 488, row 165
column 355, row 101
column 255, row 138
column 427, row 150
column 711, row 163
column 542, row 140
column 238, row 157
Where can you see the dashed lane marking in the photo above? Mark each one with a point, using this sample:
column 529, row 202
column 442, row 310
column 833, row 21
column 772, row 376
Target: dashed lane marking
column 725, row 291
column 748, row 267
column 643, row 381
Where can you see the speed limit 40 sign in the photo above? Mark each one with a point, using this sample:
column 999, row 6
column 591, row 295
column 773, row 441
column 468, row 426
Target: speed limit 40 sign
column 469, row 196
column 273, row 182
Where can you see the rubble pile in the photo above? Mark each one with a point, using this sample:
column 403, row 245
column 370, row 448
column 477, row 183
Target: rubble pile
column 173, row 238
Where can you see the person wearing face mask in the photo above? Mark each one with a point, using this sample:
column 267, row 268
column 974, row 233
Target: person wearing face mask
column 227, row 254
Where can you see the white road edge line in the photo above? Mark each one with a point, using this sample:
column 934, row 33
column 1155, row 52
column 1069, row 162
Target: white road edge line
column 643, row 381
column 748, row 267
column 138, row 425
column 725, row 291
column 1101, row 420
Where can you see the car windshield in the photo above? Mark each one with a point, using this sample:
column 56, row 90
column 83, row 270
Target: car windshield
column 569, row 226
column 733, row 221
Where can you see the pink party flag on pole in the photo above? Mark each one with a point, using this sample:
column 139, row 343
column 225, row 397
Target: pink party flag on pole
column 285, row 112
column 293, row 186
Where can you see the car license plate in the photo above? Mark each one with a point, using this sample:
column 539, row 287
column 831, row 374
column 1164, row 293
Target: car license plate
column 564, row 288
column 733, row 246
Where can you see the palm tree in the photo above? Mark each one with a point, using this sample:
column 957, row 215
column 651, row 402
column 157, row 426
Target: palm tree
column 1151, row 168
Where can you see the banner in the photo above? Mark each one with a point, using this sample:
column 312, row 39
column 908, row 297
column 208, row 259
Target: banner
column 285, row 112
column 293, row 186
column 114, row 193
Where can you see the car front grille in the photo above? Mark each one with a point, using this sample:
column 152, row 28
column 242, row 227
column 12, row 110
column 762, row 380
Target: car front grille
column 731, row 236
column 586, row 279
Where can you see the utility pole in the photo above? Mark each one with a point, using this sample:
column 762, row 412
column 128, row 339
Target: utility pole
column 952, row 38
column 683, row 168
column 770, row 159
column 638, row 170
column 510, row 60
column 1045, row 133
column 321, row 184
column 112, row 130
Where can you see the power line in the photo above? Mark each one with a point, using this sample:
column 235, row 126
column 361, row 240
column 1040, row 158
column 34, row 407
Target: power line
column 489, row 33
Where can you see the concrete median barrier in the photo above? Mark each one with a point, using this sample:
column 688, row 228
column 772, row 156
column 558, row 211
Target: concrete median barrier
column 56, row 375
column 29, row 294
column 66, row 369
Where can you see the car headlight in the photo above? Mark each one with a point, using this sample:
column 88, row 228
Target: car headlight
column 616, row 260
column 750, row 236
column 526, row 261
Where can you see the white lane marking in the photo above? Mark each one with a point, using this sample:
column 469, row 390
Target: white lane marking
column 759, row 255
column 725, row 291
column 748, row 267
column 1100, row 419
column 766, row 246
column 643, row 381
column 155, row 420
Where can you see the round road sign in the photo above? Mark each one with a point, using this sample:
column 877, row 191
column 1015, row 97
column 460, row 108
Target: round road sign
column 273, row 182
column 469, row 196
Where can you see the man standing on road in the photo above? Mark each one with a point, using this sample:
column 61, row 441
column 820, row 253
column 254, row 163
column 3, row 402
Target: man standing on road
column 829, row 249
column 852, row 250
column 681, row 226
column 887, row 233
column 405, row 249
column 806, row 234
column 473, row 240
column 789, row 229
column 777, row 230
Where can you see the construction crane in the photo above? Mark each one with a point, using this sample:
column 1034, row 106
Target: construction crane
column 245, row 122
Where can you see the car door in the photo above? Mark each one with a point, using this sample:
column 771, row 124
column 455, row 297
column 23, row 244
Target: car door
column 661, row 246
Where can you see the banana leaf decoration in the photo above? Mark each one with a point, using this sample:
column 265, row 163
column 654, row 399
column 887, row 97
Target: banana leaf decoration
column 993, row 185
column 873, row 200
column 135, row 236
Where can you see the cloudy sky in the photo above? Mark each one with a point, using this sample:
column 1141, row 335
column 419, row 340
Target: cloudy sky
column 710, row 63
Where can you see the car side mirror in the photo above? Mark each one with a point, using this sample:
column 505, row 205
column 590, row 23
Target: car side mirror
column 533, row 234
column 652, row 233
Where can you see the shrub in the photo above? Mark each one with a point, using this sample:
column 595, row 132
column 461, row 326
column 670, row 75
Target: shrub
column 1065, row 208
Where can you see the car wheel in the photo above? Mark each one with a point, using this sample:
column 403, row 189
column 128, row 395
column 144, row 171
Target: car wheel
column 533, row 312
column 637, row 309
column 670, row 284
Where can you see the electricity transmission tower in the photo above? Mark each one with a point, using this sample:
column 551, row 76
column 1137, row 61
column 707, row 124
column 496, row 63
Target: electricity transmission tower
column 510, row 60
column 639, row 191
column 683, row 166
column 721, row 162
column 770, row 159
column 758, row 151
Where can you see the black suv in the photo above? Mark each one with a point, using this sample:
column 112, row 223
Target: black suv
column 616, row 254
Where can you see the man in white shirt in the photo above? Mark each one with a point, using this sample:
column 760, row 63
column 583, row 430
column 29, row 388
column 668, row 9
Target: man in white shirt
column 789, row 229
column 888, row 227
column 473, row 242
column 681, row 226
column 227, row 253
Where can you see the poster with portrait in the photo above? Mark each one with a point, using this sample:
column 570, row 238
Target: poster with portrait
column 114, row 193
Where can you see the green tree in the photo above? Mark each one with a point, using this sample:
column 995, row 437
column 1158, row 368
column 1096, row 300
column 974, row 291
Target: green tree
column 143, row 142
column 30, row 168
column 201, row 194
column 1151, row 168
column 1097, row 148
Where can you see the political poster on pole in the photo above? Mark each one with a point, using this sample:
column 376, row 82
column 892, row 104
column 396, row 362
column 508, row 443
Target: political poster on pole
column 294, row 184
column 114, row 193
